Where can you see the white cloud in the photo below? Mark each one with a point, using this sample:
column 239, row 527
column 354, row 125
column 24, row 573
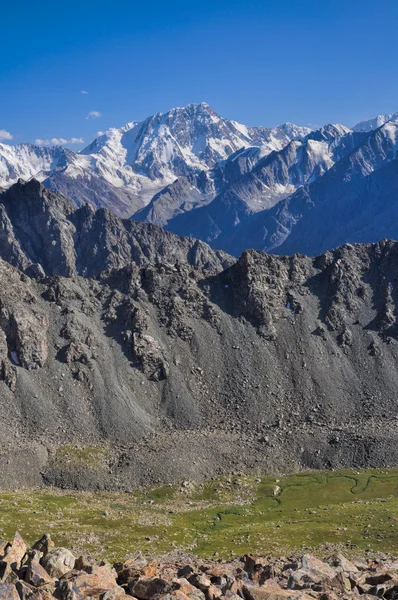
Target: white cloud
column 5, row 135
column 59, row 141
column 93, row 114
column 83, row 92
column 99, row 133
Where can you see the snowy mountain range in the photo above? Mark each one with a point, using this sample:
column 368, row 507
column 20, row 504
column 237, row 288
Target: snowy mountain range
column 124, row 168
column 285, row 190
column 346, row 190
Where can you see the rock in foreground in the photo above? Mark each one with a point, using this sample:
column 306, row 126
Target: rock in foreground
column 44, row 572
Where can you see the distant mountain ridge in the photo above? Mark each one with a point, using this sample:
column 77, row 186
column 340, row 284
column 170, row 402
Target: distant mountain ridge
column 283, row 190
column 334, row 186
column 270, row 180
column 124, row 168
column 376, row 122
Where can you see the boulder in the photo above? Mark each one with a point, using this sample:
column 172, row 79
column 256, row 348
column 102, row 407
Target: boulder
column 213, row 592
column 44, row 544
column 272, row 591
column 58, row 561
column 116, row 593
column 80, row 585
column 188, row 589
column 12, row 559
column 314, row 574
column 201, row 581
column 133, row 570
column 37, row 575
column 145, row 588
column 149, row 357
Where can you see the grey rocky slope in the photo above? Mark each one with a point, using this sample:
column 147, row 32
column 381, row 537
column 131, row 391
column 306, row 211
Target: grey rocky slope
column 182, row 369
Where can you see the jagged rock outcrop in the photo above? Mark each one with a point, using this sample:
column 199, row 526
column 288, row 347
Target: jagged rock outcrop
column 41, row 231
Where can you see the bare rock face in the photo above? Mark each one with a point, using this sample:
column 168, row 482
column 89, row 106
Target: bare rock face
column 26, row 332
column 149, row 356
column 8, row 372
column 23, row 327
column 39, row 220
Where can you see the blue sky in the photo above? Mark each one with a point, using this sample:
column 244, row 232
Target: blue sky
column 259, row 62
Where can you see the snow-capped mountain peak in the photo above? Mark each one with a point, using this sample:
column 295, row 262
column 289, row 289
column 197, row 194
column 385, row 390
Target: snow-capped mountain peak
column 376, row 122
column 181, row 141
column 142, row 157
column 24, row 161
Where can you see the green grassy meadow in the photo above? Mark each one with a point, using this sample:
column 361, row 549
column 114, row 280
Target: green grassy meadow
column 353, row 511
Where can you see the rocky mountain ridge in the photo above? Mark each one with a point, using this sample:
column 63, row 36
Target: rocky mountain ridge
column 43, row 233
column 354, row 201
column 234, row 187
column 180, row 360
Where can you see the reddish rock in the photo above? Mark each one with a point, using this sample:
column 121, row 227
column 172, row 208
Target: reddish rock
column 150, row 570
column 253, row 563
column 133, row 572
column 15, row 552
column 179, row 595
column 8, row 592
column 37, row 575
column 213, row 592
column 80, row 585
column 12, row 559
column 272, row 591
column 200, row 580
column 116, row 593
column 3, row 546
column 188, row 589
